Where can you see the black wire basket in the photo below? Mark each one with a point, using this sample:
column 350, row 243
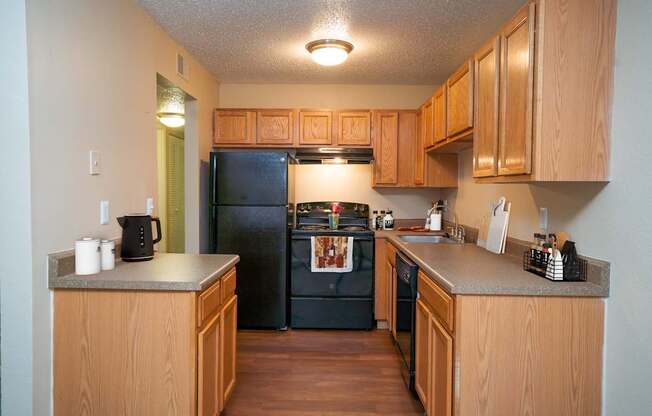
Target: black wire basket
column 536, row 261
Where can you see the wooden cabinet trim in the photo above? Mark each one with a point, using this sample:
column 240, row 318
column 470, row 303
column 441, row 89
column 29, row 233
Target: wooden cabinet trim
column 526, row 16
column 439, row 124
column 483, row 124
column 380, row 279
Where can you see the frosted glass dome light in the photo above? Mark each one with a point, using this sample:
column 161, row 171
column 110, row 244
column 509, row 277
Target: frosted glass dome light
column 172, row 120
column 329, row 52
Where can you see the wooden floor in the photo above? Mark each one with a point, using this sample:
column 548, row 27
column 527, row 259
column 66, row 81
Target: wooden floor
column 301, row 372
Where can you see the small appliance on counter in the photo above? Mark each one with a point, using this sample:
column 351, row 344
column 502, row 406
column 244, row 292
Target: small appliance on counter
column 137, row 241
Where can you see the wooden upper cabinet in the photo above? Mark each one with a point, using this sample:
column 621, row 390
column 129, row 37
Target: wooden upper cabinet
column 439, row 115
column 427, row 119
column 315, row 128
column 354, row 128
column 516, row 94
column 419, row 153
column 275, row 127
column 386, row 147
column 459, row 110
column 485, row 142
column 234, row 127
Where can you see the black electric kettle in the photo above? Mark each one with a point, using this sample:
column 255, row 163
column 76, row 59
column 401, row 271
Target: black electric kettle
column 137, row 242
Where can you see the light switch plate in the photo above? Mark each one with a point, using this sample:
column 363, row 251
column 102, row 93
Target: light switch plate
column 94, row 159
column 104, row 212
column 149, row 206
column 543, row 218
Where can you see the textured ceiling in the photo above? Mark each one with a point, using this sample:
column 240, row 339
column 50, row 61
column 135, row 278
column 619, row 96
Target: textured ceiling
column 396, row 41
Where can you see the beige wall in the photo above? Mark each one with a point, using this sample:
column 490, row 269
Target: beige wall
column 334, row 96
column 92, row 85
column 353, row 183
column 346, row 183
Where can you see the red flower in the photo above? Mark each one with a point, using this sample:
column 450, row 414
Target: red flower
column 336, row 208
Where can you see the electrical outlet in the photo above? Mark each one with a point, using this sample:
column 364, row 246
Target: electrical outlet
column 543, row 218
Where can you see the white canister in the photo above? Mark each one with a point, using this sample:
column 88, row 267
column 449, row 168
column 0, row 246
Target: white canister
column 107, row 250
column 87, row 256
column 435, row 221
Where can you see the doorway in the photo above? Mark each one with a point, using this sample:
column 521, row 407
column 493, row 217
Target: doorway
column 170, row 156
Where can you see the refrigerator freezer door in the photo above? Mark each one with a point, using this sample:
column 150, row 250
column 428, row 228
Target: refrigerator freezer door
column 260, row 236
column 249, row 178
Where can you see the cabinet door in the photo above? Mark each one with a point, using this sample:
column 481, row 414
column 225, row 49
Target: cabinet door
column 459, row 109
column 354, row 128
column 228, row 349
column 422, row 352
column 427, row 120
column 441, row 370
column 485, row 141
column 315, row 128
column 209, row 397
column 516, row 85
column 386, row 147
column 234, row 127
column 439, row 115
column 419, row 154
column 275, row 127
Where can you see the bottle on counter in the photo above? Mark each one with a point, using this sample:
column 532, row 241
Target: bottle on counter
column 388, row 221
column 374, row 220
column 380, row 221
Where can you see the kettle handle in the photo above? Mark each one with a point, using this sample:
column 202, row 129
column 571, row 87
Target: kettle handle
column 158, row 230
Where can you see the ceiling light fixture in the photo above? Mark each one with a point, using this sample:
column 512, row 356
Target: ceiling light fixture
column 171, row 120
column 329, row 52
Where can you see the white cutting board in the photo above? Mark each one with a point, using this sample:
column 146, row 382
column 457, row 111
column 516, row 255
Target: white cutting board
column 497, row 234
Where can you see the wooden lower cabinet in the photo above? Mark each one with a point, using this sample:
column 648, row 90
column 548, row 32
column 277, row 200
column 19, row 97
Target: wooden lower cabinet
column 511, row 355
column 140, row 352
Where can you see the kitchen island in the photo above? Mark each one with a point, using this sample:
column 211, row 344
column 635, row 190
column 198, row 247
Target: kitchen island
column 147, row 338
column 490, row 338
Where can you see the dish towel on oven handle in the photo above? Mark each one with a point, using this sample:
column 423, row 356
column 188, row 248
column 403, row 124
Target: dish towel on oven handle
column 331, row 254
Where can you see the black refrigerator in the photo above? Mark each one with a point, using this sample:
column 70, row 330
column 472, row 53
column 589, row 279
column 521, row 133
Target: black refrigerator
column 251, row 214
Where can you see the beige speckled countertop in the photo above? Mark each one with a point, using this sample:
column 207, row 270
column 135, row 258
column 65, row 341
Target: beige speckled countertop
column 467, row 269
column 167, row 271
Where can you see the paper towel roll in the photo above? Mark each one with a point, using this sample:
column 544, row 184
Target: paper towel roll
column 107, row 249
column 87, row 256
column 435, row 221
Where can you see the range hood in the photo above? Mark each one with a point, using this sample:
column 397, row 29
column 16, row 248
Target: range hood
column 334, row 155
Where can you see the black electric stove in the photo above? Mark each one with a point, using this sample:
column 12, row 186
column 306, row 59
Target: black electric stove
column 332, row 300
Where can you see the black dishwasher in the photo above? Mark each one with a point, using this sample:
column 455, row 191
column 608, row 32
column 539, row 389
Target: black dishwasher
column 406, row 297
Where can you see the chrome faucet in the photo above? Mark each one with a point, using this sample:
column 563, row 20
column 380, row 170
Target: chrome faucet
column 457, row 231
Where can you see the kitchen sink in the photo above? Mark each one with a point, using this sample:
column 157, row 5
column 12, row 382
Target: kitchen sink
column 432, row 239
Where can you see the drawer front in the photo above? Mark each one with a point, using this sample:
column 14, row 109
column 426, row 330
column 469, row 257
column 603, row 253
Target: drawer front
column 228, row 285
column 208, row 302
column 440, row 302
